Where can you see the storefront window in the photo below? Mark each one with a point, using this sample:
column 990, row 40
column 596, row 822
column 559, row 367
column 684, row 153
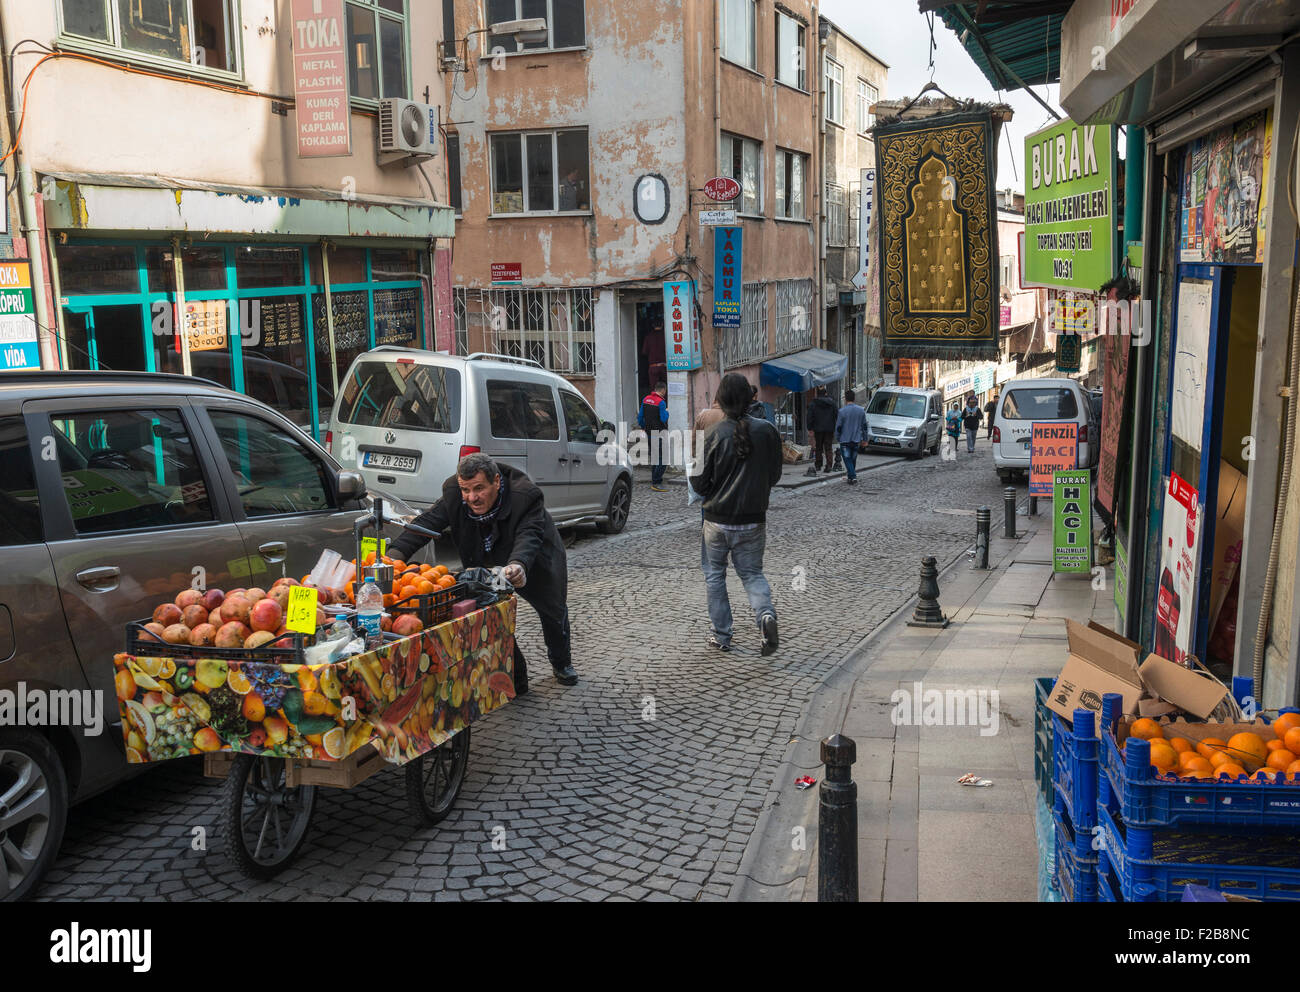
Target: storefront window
column 405, row 264
column 351, row 334
column 92, row 269
column 204, row 266
column 275, row 355
column 268, row 268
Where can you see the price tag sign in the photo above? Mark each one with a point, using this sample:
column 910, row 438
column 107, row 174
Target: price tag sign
column 368, row 547
column 302, row 610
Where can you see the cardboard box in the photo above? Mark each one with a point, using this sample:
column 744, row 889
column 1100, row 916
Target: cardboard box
column 1228, row 529
column 1100, row 661
column 1181, row 687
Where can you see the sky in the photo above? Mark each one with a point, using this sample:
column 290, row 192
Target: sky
column 896, row 32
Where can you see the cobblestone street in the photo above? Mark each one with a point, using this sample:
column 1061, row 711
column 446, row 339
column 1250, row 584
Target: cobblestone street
column 643, row 782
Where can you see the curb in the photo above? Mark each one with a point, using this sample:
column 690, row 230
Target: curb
column 832, row 695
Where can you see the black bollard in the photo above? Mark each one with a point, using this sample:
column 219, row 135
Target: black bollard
column 837, row 823
column 927, row 612
column 1009, row 512
column 1033, row 506
column 982, row 521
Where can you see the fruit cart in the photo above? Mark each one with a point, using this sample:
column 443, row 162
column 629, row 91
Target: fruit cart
column 277, row 729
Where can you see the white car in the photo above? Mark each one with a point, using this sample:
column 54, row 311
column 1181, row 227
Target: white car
column 404, row 418
column 1024, row 403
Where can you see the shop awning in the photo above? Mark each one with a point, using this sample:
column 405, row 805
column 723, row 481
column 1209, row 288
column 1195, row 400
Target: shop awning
column 804, row 369
column 1014, row 43
column 135, row 204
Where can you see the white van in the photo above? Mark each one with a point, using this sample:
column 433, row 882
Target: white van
column 1025, row 402
column 406, row 417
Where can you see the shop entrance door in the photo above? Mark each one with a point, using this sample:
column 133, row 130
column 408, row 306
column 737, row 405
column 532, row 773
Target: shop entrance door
column 107, row 338
column 1216, row 310
column 651, row 346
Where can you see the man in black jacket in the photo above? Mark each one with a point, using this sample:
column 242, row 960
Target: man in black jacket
column 821, row 421
column 741, row 464
column 497, row 516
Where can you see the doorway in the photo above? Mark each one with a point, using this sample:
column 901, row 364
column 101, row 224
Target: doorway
column 651, row 346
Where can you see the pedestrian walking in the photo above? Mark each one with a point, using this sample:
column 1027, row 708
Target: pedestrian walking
column 708, row 417
column 653, row 418
column 497, row 516
column 822, row 416
column 971, row 415
column 953, row 427
column 849, row 426
column 741, row 463
column 990, row 408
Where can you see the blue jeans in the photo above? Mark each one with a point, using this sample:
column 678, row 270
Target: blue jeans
column 970, row 437
column 850, row 455
column 746, row 550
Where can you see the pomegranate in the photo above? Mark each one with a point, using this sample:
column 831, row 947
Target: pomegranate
column 212, row 599
column 154, row 630
column 253, row 594
column 258, row 638
column 325, row 597
column 193, row 615
column 232, row 635
column 177, row 633
column 266, row 614
column 236, row 608
column 204, row 635
column 188, row 597
column 407, row 624
column 167, row 614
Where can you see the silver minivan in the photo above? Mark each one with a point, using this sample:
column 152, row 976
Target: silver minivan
column 905, row 418
column 404, row 418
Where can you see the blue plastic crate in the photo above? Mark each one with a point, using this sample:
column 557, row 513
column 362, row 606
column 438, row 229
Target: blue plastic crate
column 1043, row 738
column 1144, row 873
column 1146, row 801
column 1074, row 756
column 1107, row 884
column 1076, row 861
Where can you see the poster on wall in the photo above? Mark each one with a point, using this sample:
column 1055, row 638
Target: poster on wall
column 19, row 345
column 1072, row 521
column 1115, row 355
column 682, row 335
column 320, row 77
column 1176, row 600
column 1053, row 447
column 1191, row 351
column 728, row 275
column 1222, row 207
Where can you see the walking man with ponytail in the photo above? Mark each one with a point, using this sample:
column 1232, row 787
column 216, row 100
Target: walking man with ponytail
column 741, row 464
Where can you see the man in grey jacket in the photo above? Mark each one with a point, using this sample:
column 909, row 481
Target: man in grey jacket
column 848, row 432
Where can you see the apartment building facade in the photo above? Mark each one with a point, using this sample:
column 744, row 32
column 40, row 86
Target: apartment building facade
column 853, row 80
column 174, row 202
column 579, row 164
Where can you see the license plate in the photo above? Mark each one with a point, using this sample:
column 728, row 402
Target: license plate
column 1025, row 443
column 885, row 440
column 402, row 463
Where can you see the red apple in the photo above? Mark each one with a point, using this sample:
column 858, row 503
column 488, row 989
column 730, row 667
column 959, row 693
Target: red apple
column 167, row 614
column 212, row 599
column 258, row 638
column 193, row 615
column 204, row 635
column 236, row 608
column 265, row 614
column 177, row 633
column 232, row 635
column 188, row 597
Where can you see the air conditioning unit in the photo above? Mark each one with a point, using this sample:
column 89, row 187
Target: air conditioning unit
column 407, row 128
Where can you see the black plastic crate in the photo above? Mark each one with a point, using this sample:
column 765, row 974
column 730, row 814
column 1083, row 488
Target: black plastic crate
column 431, row 608
column 286, row 649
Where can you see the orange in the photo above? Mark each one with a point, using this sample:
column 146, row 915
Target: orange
column 1224, row 757
column 425, row 568
column 1280, row 759
column 1181, row 744
column 1250, row 746
column 446, row 582
column 1146, row 728
column 424, row 587
column 1292, row 740
column 1294, row 767
column 1285, row 722
column 1274, row 745
column 389, row 601
column 1207, row 747
column 441, row 569
column 1265, row 775
column 1193, row 763
column 1163, row 756
column 1230, row 769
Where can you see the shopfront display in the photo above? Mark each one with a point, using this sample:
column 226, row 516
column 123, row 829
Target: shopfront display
column 254, row 314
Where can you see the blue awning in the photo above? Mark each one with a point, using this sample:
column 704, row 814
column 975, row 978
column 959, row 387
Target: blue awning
column 804, row 369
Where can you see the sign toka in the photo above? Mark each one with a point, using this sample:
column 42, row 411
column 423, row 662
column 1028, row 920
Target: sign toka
column 1069, row 206
column 728, row 268
column 320, row 79
column 682, row 334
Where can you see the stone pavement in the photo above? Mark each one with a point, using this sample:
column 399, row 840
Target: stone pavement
column 921, row 836
column 646, row 781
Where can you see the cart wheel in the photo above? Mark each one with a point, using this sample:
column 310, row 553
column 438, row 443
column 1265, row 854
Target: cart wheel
column 263, row 823
column 433, row 780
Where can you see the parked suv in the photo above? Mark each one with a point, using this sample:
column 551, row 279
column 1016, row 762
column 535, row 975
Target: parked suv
column 406, row 417
column 118, row 491
column 904, row 418
column 1025, row 402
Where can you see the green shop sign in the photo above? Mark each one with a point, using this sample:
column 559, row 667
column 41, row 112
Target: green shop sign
column 1072, row 521
column 1069, row 206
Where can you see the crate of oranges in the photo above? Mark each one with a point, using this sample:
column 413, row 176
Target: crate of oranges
column 1169, row 773
column 424, row 591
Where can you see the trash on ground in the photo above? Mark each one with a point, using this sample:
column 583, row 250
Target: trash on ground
column 970, row 778
column 805, row 782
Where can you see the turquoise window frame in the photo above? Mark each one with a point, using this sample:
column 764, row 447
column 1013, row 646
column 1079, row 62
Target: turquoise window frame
column 233, row 296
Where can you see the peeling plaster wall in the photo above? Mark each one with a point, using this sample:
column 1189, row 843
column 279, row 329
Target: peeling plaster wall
column 84, row 117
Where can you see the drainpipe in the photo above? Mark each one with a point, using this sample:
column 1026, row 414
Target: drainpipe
column 36, row 253
column 56, row 288
column 717, row 155
column 329, row 313
column 819, row 155
column 182, row 330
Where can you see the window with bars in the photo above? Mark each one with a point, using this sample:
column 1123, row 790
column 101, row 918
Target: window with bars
column 460, row 321
column 792, row 310
column 748, row 342
column 855, row 216
column 837, row 216
column 552, row 327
